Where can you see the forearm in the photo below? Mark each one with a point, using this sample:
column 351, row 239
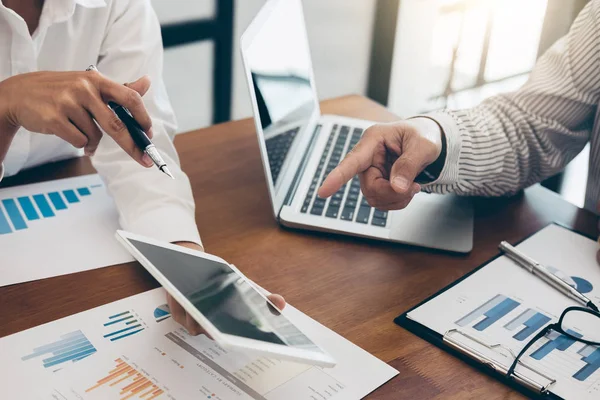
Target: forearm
column 149, row 203
column 497, row 149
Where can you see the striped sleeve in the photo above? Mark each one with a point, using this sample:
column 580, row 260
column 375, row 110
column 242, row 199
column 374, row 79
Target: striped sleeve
column 514, row 140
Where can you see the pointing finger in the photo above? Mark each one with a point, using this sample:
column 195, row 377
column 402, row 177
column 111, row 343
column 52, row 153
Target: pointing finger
column 358, row 160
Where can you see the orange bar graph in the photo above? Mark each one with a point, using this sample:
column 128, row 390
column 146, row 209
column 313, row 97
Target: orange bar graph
column 147, row 393
column 136, row 385
column 156, row 394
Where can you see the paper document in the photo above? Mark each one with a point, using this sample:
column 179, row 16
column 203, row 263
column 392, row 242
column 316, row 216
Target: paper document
column 132, row 349
column 503, row 303
column 56, row 228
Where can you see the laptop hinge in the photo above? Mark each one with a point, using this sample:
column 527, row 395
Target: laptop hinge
column 297, row 178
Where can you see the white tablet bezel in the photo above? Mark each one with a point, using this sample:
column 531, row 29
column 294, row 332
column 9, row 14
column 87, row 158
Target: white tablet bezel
column 226, row 340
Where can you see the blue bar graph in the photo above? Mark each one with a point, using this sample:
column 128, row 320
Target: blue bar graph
column 122, row 325
column 591, row 355
column 43, row 205
column 125, row 335
column 556, row 342
column 116, row 321
column 4, row 226
column 14, row 214
column 493, row 310
column 84, row 191
column 57, row 201
column 70, row 348
column 531, row 319
column 37, row 207
column 71, row 196
column 28, row 209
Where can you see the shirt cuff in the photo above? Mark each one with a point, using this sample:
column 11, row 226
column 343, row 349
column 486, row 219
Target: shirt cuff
column 169, row 224
column 1, row 171
column 450, row 128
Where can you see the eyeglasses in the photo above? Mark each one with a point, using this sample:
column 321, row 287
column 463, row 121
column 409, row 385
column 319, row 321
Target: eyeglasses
column 576, row 323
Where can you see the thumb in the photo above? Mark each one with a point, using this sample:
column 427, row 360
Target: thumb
column 407, row 167
column 141, row 85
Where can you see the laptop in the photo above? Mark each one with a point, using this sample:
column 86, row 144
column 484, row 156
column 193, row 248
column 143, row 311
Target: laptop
column 300, row 147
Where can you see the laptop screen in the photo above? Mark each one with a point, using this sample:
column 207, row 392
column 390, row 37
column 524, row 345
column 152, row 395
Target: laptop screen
column 280, row 70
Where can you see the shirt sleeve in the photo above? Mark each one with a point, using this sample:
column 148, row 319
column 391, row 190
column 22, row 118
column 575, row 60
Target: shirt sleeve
column 149, row 202
column 514, row 140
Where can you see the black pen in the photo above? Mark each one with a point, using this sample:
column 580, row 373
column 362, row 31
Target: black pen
column 138, row 135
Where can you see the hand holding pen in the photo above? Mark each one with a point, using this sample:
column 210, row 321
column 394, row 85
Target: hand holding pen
column 136, row 131
column 73, row 106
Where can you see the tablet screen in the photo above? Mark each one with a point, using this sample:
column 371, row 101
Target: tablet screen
column 229, row 302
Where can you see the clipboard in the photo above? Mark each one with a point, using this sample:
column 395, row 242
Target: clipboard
column 540, row 389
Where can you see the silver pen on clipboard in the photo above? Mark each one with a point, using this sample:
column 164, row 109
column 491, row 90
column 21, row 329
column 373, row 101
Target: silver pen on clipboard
column 541, row 272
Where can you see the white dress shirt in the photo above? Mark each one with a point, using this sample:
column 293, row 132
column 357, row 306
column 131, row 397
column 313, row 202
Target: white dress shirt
column 514, row 140
column 122, row 38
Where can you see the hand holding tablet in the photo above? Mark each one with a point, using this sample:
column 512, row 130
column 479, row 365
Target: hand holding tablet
column 221, row 300
column 183, row 318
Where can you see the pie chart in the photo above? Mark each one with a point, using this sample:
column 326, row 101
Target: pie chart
column 161, row 313
column 582, row 285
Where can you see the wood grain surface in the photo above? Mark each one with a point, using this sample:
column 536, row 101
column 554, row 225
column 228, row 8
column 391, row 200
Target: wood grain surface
column 354, row 286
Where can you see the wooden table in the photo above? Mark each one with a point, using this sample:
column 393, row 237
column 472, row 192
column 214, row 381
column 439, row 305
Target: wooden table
column 354, row 286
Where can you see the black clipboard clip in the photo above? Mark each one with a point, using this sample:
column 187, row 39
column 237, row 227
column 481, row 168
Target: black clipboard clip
column 451, row 336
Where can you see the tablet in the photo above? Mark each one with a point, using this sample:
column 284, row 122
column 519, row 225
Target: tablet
column 222, row 300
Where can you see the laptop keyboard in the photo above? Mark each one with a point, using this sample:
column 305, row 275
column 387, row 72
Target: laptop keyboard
column 348, row 202
column 277, row 148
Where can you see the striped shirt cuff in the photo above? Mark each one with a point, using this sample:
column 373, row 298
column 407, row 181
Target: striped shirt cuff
column 450, row 128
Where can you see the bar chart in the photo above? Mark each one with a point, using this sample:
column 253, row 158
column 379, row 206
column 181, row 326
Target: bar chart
column 591, row 356
column 530, row 320
column 161, row 313
column 556, row 341
column 129, row 381
column 46, row 215
column 493, row 310
column 71, row 347
column 122, row 325
column 17, row 213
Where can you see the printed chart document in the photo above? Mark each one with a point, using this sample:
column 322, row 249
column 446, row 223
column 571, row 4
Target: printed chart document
column 132, row 349
column 503, row 303
column 45, row 216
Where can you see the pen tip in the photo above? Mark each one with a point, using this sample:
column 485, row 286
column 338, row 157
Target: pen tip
column 166, row 171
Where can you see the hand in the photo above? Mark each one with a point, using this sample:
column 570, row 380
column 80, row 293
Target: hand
column 65, row 104
column 182, row 317
column 387, row 159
